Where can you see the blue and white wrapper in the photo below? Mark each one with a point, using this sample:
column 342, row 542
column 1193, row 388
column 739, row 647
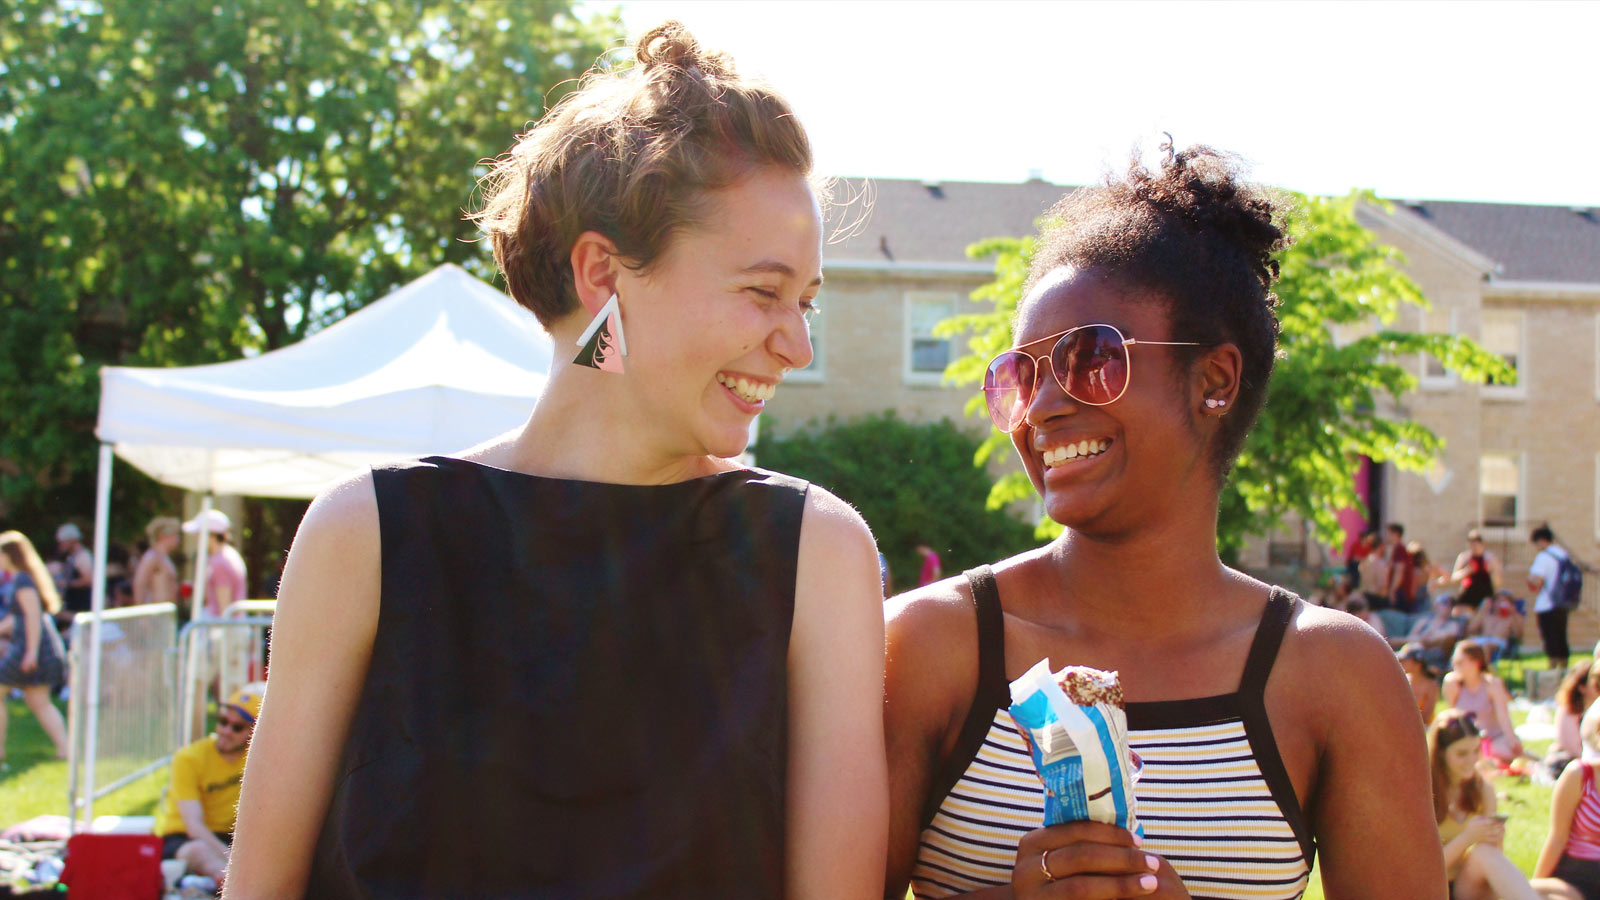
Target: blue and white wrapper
column 1080, row 751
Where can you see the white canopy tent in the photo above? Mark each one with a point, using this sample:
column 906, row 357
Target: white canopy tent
column 442, row 364
column 437, row 366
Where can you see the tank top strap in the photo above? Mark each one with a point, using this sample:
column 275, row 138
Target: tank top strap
column 1252, row 700
column 1269, row 637
column 992, row 684
column 993, row 691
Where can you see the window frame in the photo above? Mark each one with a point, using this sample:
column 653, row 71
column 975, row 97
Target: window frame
column 1448, row 380
column 909, row 301
column 1521, row 496
column 1518, row 391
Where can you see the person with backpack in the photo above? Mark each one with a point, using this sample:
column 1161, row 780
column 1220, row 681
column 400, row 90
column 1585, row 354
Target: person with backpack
column 1559, row 584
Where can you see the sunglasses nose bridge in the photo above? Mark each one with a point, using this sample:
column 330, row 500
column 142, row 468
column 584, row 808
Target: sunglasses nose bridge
column 1047, row 394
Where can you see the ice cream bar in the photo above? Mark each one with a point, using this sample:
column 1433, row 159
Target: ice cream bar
column 1077, row 731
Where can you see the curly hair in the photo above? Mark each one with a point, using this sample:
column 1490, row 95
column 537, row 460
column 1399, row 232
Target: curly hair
column 630, row 155
column 1201, row 238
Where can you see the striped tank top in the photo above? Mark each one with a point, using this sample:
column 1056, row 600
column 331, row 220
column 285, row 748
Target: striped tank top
column 1214, row 798
column 1583, row 842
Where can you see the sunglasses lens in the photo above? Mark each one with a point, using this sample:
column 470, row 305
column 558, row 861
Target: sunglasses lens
column 1007, row 387
column 1092, row 364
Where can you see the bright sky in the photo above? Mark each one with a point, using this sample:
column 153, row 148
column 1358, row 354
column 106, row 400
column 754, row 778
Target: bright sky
column 1437, row 100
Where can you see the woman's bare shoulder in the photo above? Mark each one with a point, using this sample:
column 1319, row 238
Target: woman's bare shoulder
column 936, row 620
column 1329, row 647
column 345, row 509
column 1332, row 639
column 932, row 637
column 940, row 620
column 337, row 549
column 838, row 524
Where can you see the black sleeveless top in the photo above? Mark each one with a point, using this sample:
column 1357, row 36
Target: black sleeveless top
column 1478, row 586
column 577, row 690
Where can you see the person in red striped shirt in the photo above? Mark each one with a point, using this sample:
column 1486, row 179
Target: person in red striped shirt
column 1569, row 865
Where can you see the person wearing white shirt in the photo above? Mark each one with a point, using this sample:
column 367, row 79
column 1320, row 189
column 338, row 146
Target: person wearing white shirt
column 1542, row 579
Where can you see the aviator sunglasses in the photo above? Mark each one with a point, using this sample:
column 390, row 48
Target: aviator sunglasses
column 1089, row 362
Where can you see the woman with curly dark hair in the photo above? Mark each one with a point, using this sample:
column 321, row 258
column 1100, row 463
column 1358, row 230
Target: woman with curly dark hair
column 1268, row 727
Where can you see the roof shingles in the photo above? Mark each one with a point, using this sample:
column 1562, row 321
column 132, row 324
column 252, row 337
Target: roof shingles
column 1531, row 243
column 915, row 221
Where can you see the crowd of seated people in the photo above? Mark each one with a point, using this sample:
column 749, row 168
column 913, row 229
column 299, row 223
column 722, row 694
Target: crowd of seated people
column 1397, row 589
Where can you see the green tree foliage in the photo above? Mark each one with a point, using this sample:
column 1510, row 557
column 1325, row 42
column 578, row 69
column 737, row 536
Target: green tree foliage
column 189, row 181
column 1322, row 408
column 914, row 484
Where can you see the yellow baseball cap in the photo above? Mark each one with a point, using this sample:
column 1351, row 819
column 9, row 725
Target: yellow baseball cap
column 247, row 701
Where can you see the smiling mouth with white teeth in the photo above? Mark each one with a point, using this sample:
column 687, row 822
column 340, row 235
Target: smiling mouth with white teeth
column 746, row 390
column 1060, row 456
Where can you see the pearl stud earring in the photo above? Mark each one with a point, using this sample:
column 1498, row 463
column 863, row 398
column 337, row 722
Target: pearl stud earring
column 1214, row 403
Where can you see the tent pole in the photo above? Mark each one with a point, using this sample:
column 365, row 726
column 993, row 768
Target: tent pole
column 202, row 565
column 202, row 559
column 102, row 522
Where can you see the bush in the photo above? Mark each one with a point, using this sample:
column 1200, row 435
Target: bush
column 913, row 483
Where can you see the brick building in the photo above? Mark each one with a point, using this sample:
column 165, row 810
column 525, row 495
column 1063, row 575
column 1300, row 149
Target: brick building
column 1522, row 280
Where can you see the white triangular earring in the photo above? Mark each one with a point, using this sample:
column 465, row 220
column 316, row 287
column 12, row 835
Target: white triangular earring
column 602, row 344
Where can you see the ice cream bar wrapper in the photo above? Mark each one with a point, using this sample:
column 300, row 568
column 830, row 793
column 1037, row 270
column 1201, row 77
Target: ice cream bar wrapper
column 1080, row 749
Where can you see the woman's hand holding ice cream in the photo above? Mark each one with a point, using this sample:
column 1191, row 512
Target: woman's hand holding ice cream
column 1090, row 861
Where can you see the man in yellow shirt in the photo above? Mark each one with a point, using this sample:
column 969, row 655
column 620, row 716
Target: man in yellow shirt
column 197, row 814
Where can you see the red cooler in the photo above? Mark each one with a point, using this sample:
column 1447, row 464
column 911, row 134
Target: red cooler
column 113, row 867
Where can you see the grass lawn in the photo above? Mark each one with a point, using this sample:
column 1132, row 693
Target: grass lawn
column 1529, row 806
column 37, row 782
column 1528, row 803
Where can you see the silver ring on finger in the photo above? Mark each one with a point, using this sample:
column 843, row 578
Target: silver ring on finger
column 1044, row 866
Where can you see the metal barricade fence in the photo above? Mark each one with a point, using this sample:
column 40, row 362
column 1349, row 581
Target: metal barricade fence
column 138, row 677
column 249, row 656
column 218, row 650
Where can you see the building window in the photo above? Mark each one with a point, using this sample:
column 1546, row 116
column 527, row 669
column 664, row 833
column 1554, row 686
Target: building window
column 1504, row 335
column 815, row 371
column 926, row 355
column 1437, row 321
column 1500, row 489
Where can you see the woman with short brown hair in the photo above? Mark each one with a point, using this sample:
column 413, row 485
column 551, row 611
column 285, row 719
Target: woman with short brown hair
column 611, row 661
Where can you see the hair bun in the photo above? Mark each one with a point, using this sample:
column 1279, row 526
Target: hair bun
column 671, row 46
